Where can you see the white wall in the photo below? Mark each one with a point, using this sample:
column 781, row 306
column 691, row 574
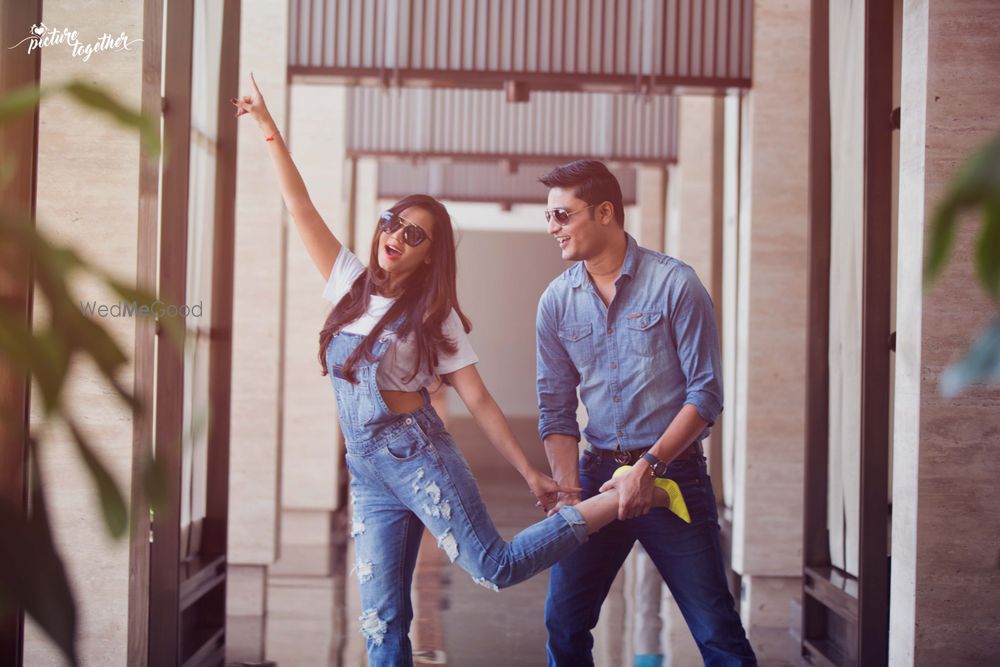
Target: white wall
column 501, row 275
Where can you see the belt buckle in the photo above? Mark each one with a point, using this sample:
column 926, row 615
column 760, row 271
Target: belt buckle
column 622, row 457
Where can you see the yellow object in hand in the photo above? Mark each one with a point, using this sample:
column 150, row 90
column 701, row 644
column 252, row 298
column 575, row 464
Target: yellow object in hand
column 677, row 504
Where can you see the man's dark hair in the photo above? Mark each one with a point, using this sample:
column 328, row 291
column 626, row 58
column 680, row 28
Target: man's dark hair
column 591, row 181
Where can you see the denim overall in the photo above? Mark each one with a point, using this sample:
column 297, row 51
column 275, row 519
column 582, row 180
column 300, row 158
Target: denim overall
column 407, row 473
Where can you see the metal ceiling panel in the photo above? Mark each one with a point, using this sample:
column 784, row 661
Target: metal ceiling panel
column 476, row 182
column 551, row 127
column 624, row 45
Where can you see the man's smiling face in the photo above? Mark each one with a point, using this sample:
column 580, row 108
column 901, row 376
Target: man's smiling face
column 579, row 237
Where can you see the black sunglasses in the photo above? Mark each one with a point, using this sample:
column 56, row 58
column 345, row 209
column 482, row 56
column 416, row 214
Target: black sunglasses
column 413, row 234
column 561, row 215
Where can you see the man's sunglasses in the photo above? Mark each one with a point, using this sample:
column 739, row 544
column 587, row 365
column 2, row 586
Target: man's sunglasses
column 413, row 234
column 561, row 215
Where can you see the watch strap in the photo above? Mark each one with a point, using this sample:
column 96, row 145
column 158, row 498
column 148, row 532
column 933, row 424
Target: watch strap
column 655, row 464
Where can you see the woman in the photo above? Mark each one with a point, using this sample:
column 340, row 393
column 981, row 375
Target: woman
column 395, row 328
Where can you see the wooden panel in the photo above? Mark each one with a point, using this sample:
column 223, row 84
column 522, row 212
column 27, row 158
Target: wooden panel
column 816, row 546
column 873, row 566
column 164, row 579
column 19, row 143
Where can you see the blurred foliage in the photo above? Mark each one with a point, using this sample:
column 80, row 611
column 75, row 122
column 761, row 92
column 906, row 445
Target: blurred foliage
column 32, row 575
column 975, row 186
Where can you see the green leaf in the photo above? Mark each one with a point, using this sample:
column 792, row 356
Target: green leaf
column 942, row 238
column 96, row 98
column 32, row 574
column 40, row 353
column 112, row 501
column 981, row 364
column 976, row 183
column 20, row 102
column 988, row 248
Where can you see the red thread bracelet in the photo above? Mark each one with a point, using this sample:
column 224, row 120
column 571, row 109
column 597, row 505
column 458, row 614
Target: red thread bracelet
column 270, row 138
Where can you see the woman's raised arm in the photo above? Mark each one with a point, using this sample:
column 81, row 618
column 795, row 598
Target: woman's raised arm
column 320, row 242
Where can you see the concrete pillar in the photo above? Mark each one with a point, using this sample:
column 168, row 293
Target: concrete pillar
column 255, row 454
column 943, row 603
column 771, row 315
column 694, row 217
column 93, row 211
column 691, row 234
column 649, row 226
column 366, row 206
column 310, row 426
column 311, row 448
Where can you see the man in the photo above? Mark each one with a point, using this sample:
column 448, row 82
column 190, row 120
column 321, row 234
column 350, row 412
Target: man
column 635, row 330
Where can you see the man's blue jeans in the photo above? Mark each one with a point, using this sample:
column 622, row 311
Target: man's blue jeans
column 688, row 556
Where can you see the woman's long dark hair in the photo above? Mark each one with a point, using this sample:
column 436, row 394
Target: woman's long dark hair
column 428, row 297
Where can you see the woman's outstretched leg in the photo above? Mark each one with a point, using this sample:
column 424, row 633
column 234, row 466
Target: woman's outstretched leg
column 600, row 510
column 439, row 487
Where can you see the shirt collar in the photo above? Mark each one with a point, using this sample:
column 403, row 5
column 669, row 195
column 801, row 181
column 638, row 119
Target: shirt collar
column 629, row 265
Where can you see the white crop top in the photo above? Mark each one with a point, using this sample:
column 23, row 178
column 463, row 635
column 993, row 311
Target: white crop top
column 397, row 365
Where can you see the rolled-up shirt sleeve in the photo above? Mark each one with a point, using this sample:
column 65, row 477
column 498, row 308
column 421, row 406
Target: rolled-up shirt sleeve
column 557, row 377
column 697, row 336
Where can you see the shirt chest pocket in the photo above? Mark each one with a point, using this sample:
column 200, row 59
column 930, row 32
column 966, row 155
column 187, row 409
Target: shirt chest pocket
column 579, row 343
column 645, row 334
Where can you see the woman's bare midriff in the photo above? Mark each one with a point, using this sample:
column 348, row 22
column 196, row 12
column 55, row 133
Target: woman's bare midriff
column 402, row 401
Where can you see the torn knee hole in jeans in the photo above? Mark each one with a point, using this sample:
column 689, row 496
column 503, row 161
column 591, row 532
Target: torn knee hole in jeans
column 486, row 583
column 373, row 627
column 448, row 544
column 365, row 570
column 357, row 526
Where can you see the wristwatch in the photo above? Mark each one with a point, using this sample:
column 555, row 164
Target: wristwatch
column 657, row 467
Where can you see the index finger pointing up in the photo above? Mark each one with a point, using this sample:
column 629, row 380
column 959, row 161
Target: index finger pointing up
column 253, row 83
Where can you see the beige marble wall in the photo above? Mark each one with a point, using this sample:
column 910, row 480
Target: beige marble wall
column 943, row 608
column 770, row 374
column 88, row 198
column 255, row 458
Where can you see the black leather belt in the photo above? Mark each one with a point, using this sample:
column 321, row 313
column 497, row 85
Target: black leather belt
column 630, row 456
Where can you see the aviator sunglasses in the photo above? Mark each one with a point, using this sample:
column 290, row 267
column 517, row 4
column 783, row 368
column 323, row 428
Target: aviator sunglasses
column 561, row 215
column 413, row 234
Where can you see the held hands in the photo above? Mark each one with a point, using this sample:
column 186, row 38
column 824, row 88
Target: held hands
column 563, row 499
column 548, row 491
column 253, row 104
column 635, row 492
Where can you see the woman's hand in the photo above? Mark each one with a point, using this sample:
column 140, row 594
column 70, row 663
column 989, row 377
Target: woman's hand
column 254, row 105
column 546, row 489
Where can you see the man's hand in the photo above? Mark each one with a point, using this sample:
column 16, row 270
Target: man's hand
column 564, row 500
column 635, row 492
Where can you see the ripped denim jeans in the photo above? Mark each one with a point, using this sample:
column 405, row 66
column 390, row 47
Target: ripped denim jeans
column 407, row 473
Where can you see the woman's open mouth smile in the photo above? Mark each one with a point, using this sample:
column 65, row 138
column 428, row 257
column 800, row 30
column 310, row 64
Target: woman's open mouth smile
column 392, row 251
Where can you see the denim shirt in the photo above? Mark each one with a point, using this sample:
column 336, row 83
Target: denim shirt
column 637, row 361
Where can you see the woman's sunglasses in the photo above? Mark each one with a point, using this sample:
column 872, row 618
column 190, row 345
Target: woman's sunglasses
column 413, row 234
